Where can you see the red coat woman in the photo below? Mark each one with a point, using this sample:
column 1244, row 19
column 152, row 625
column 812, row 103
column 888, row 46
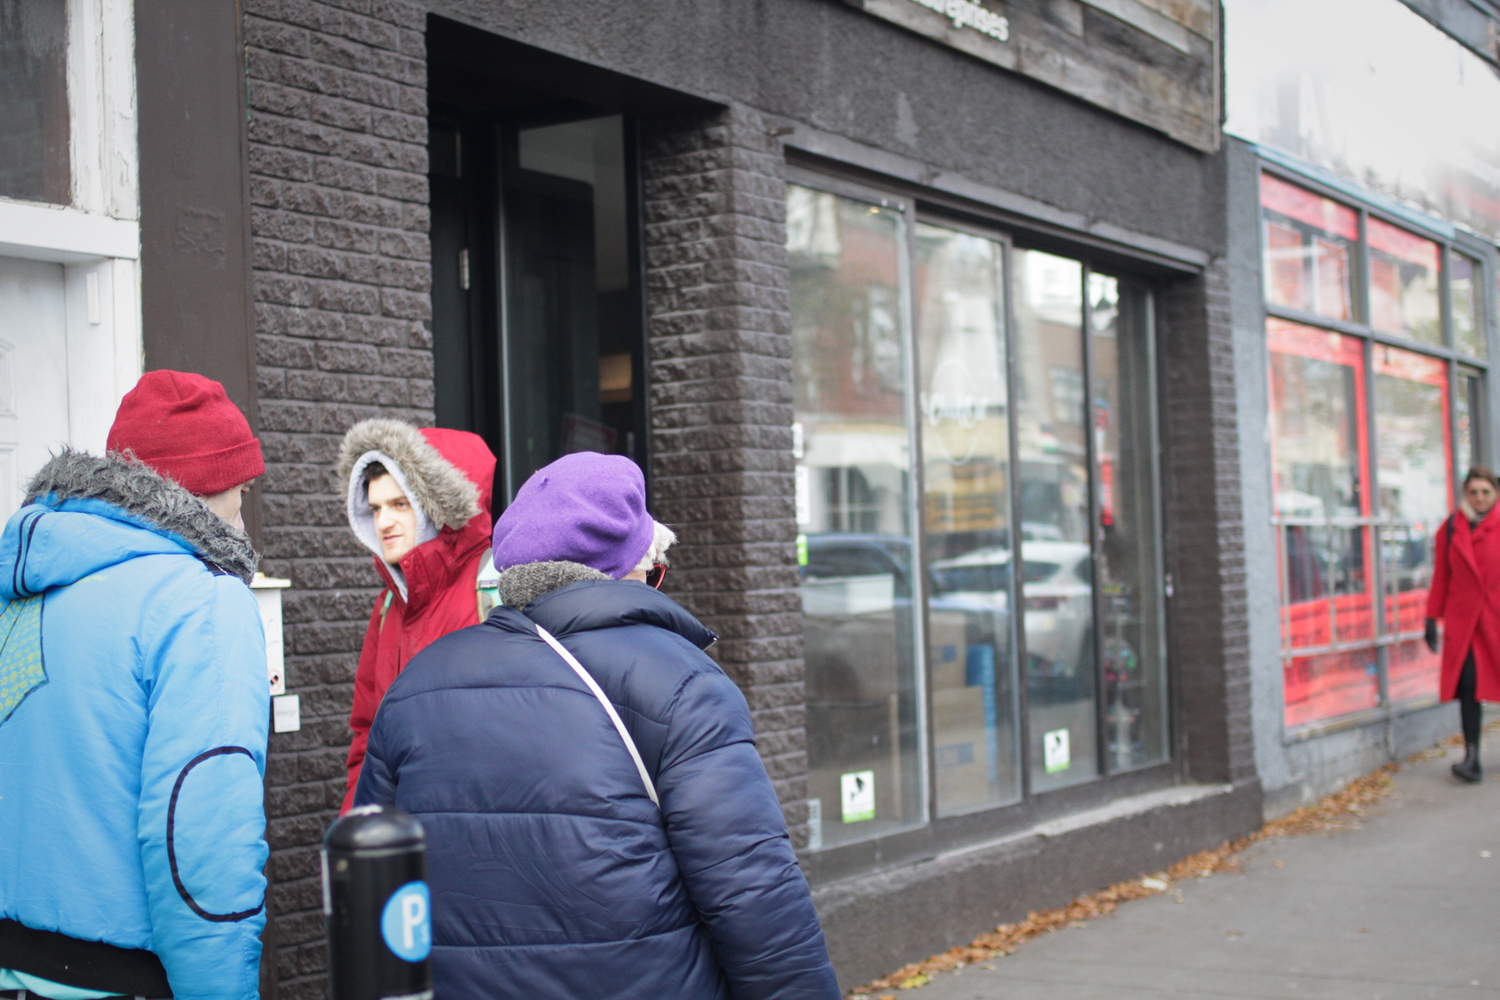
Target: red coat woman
column 419, row 500
column 1466, row 595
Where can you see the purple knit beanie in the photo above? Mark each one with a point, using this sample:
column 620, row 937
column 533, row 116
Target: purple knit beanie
column 585, row 508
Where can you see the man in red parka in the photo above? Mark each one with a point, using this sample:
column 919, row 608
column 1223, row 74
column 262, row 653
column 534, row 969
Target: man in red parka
column 420, row 501
column 1466, row 595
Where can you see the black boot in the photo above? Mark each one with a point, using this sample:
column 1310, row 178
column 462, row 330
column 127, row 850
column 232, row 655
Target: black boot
column 1469, row 770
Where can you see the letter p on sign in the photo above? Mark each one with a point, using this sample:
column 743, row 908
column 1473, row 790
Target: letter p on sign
column 406, row 923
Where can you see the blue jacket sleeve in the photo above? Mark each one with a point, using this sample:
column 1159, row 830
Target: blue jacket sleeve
column 730, row 841
column 202, row 818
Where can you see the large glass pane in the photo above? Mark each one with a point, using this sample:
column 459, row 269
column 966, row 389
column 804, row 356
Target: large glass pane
column 34, row 100
column 1329, row 685
column 966, row 460
column 1309, row 244
column 1469, row 416
column 1135, row 683
column 570, row 334
column 1052, row 429
column 1468, row 318
column 1318, row 454
column 1414, row 481
column 853, row 501
column 1403, row 283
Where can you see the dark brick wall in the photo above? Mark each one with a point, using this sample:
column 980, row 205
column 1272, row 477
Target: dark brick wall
column 1208, row 615
column 338, row 192
column 721, row 401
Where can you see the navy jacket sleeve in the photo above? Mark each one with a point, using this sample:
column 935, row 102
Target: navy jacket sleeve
column 376, row 785
column 202, row 820
column 730, row 841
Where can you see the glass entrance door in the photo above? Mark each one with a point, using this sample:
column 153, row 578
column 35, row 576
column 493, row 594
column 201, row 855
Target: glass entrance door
column 569, row 332
column 537, row 332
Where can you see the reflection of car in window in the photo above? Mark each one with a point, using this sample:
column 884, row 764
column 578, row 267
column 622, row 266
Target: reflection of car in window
column 856, row 595
column 856, row 598
column 983, row 571
column 844, row 555
column 1059, row 617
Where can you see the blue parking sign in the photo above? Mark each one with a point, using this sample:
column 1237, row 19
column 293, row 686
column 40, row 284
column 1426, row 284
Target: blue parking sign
column 406, row 922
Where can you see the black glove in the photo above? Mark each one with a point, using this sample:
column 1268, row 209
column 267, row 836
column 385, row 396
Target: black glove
column 1429, row 632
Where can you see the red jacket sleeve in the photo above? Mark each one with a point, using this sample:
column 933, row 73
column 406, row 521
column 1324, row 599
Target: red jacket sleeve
column 1437, row 594
column 366, row 700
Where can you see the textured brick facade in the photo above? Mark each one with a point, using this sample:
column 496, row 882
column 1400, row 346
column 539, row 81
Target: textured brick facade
column 720, row 356
column 1208, row 615
column 338, row 189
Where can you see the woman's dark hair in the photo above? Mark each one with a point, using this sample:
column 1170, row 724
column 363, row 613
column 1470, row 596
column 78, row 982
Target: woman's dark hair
column 372, row 472
column 1484, row 473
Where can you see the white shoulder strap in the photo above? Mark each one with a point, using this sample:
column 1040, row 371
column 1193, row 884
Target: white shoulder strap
column 614, row 716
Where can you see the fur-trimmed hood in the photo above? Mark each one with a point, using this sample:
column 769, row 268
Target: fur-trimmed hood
column 446, row 473
column 447, row 495
column 133, row 493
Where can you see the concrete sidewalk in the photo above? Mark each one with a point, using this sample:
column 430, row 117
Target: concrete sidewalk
column 1405, row 908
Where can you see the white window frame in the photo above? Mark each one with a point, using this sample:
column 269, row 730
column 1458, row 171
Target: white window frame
column 97, row 237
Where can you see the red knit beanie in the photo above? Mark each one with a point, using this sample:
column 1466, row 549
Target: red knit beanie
column 184, row 426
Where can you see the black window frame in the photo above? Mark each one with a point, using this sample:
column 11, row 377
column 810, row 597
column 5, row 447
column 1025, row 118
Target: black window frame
column 936, row 833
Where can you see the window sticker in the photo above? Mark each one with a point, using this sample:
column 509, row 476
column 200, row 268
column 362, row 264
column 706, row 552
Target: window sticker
column 814, row 824
column 857, row 795
column 1055, row 754
column 286, row 713
column 802, row 490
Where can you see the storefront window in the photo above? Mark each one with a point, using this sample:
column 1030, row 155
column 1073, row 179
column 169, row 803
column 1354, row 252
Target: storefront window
column 1318, row 455
column 1468, row 322
column 1057, row 572
column 1309, row 244
column 853, row 508
column 1130, row 613
column 1403, row 283
column 1030, row 406
column 1367, row 443
column 34, row 101
column 961, row 344
column 1411, row 435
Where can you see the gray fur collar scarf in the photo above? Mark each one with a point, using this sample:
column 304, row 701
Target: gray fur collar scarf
column 137, row 490
column 520, row 585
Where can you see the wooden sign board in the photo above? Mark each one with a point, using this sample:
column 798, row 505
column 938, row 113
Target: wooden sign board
column 1153, row 61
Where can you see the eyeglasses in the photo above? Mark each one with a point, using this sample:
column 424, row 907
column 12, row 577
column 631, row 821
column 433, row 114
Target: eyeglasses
column 656, row 574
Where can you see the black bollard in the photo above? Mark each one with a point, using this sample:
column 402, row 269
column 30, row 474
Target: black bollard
column 377, row 905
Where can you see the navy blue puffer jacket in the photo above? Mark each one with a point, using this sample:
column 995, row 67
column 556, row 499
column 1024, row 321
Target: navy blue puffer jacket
column 553, row 875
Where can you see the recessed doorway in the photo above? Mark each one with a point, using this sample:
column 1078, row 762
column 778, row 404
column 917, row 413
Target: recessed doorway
column 537, row 289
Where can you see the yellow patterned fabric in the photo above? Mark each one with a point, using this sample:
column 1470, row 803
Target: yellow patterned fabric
column 21, row 666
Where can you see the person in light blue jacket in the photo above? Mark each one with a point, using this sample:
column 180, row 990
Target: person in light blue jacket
column 133, row 712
